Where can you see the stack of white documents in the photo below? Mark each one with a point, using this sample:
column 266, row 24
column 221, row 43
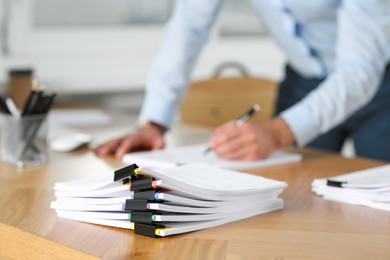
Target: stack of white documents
column 370, row 187
column 167, row 201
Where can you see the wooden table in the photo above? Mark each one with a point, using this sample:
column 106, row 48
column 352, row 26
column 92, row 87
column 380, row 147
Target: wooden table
column 307, row 228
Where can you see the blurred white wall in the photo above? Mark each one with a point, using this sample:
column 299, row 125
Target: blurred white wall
column 98, row 47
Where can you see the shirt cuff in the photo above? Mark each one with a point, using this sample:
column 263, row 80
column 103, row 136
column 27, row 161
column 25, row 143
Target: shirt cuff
column 159, row 111
column 301, row 123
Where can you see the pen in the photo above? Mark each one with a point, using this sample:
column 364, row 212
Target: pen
column 242, row 119
column 12, row 107
column 3, row 106
column 27, row 102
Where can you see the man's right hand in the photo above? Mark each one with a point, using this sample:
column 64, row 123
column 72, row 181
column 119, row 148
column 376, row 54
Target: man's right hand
column 145, row 138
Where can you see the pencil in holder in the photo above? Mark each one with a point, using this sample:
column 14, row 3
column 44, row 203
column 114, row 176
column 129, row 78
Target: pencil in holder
column 23, row 140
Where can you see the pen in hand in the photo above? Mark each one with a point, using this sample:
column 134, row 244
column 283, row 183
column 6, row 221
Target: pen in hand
column 242, row 119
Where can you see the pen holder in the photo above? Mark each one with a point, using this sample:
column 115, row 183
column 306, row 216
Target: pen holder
column 23, row 141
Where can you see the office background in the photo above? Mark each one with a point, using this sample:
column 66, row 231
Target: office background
column 98, row 51
column 102, row 49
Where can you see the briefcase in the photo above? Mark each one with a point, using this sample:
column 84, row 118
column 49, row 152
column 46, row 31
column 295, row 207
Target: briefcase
column 212, row 102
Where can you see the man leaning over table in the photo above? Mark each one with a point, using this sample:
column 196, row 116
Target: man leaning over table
column 336, row 84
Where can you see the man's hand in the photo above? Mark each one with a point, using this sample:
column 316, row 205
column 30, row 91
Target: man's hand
column 250, row 141
column 147, row 138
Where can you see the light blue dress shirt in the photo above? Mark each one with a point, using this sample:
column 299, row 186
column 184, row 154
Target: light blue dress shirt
column 348, row 42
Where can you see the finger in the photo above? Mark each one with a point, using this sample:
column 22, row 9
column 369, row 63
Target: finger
column 158, row 144
column 134, row 142
column 223, row 128
column 232, row 149
column 223, row 135
column 127, row 145
column 242, row 146
column 107, row 148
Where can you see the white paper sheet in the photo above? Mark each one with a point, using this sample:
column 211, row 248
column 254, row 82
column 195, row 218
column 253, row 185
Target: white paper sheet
column 172, row 157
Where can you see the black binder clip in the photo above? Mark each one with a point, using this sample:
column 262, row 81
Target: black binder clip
column 333, row 183
column 146, row 230
column 126, row 174
column 142, row 184
column 145, row 195
column 142, row 217
column 136, row 205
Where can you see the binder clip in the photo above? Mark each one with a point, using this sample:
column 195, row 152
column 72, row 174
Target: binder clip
column 136, row 205
column 142, row 217
column 126, row 174
column 333, row 183
column 147, row 230
column 143, row 184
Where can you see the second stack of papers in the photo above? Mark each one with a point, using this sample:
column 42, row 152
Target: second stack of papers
column 370, row 187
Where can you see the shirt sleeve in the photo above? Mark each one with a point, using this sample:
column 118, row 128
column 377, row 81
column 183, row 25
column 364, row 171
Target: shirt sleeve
column 167, row 80
column 362, row 53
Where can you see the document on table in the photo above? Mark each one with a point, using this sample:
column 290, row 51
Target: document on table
column 370, row 187
column 172, row 157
